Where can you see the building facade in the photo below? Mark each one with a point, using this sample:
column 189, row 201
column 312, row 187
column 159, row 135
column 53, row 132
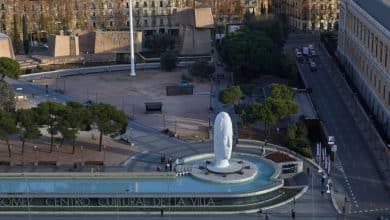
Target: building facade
column 364, row 43
column 150, row 16
column 308, row 14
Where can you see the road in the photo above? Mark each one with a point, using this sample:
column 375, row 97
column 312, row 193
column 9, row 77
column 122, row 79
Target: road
column 358, row 172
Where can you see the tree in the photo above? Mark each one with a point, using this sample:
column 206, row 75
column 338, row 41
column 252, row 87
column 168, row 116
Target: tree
column 26, row 121
column 75, row 117
column 9, row 67
column 26, row 42
column 250, row 54
column 201, row 69
column 49, row 113
column 108, row 119
column 230, row 95
column 7, row 127
column 263, row 113
column 281, row 91
column 168, row 61
column 160, row 43
column 277, row 106
column 16, row 34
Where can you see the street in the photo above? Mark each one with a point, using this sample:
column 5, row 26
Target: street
column 357, row 169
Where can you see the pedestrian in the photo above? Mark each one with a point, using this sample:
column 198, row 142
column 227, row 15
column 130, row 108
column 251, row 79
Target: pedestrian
column 162, row 212
column 308, row 171
column 322, row 181
column 166, row 167
column 293, row 213
column 322, row 192
column 266, row 216
column 158, row 169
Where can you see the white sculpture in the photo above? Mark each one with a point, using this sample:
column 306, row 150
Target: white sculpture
column 223, row 140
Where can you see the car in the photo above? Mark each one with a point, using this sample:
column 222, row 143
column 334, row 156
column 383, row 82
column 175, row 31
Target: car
column 313, row 66
column 313, row 53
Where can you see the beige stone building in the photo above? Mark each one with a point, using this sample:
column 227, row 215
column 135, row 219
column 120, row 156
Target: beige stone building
column 60, row 45
column 150, row 16
column 364, row 48
column 195, row 29
column 6, row 49
column 308, row 14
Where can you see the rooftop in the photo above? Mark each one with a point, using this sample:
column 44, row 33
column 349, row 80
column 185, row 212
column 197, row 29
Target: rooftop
column 378, row 9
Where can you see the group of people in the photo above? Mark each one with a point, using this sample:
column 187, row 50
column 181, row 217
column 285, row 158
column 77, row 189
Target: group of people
column 168, row 162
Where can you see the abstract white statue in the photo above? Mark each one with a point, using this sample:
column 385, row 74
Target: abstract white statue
column 223, row 140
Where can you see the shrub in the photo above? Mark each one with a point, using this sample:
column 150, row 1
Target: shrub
column 230, row 95
column 201, row 69
column 168, row 61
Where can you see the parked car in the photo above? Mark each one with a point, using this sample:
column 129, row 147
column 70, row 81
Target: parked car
column 305, row 51
column 313, row 53
column 298, row 55
column 313, row 66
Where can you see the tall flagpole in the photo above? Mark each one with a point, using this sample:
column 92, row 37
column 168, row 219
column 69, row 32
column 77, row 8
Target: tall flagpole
column 132, row 73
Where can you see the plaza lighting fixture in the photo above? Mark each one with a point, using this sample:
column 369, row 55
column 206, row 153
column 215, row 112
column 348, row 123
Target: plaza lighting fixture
column 132, row 71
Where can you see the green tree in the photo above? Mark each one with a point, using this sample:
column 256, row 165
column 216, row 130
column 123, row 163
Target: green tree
column 26, row 41
column 9, row 67
column 250, row 54
column 28, row 127
column 16, row 34
column 49, row 113
column 168, row 61
column 7, row 127
column 75, row 117
column 230, row 95
column 247, row 117
column 108, row 120
column 201, row 69
column 160, row 43
column 291, row 132
column 262, row 112
column 281, row 91
column 278, row 105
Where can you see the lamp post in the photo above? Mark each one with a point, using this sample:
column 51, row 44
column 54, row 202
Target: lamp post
column 132, row 73
column 35, row 153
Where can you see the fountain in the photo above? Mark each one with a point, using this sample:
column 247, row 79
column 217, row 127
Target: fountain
column 224, row 169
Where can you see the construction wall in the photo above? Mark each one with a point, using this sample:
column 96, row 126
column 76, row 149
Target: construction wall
column 109, row 42
column 63, row 46
column 6, row 49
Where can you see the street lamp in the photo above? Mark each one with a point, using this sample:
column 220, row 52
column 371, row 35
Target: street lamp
column 35, row 152
column 132, row 73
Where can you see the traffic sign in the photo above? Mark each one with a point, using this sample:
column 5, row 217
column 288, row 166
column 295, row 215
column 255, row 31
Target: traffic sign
column 334, row 148
column 331, row 140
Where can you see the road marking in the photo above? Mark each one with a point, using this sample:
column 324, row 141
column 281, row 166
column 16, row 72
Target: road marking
column 370, row 210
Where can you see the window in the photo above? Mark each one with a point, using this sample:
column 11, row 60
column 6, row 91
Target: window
column 145, row 4
column 2, row 6
column 161, row 4
column 161, row 22
column 137, row 4
column 145, row 22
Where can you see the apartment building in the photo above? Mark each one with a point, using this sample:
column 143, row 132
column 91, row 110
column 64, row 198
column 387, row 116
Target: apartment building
column 308, row 14
column 364, row 43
